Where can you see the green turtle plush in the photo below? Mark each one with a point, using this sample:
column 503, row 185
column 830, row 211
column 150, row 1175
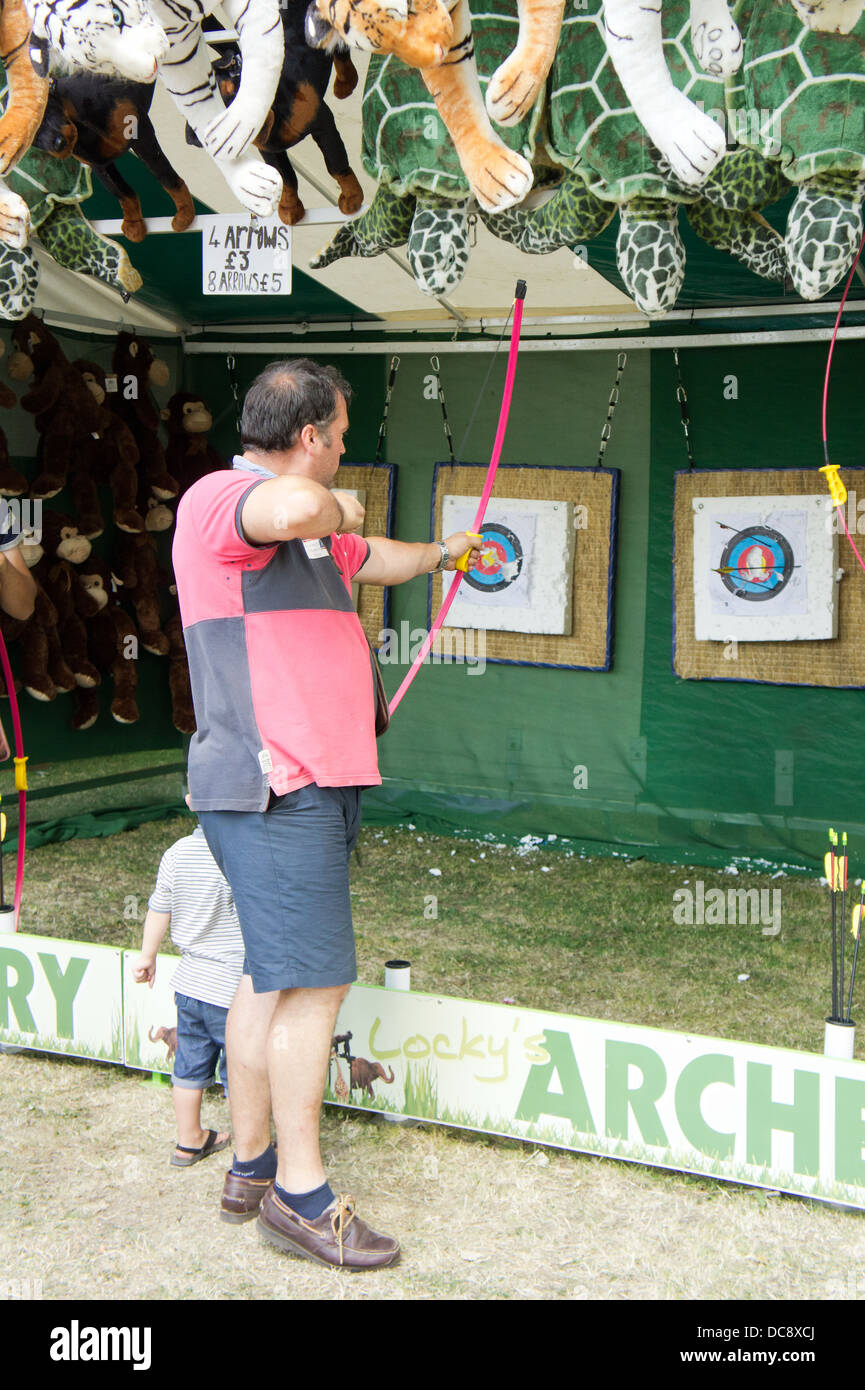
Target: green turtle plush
column 799, row 101
column 592, row 131
column 424, row 198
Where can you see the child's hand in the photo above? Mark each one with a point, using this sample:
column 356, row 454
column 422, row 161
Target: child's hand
column 144, row 970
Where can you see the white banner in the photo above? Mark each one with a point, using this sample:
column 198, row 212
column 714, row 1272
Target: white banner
column 766, row 1116
column 61, row 996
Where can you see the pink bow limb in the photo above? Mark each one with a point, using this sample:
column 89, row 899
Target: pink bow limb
column 485, row 496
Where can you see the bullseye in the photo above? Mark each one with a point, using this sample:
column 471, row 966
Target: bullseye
column 501, row 559
column 757, row 564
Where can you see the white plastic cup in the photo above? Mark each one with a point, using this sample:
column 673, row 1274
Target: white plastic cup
column 7, row 917
column 397, row 974
column 838, row 1040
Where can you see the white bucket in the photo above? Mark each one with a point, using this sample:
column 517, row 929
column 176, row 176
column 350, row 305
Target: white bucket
column 838, row 1040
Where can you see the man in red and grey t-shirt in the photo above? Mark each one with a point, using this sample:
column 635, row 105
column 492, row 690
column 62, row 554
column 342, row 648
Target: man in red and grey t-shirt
column 282, row 684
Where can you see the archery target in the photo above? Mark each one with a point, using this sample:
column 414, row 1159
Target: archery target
column 764, row 569
column 524, row 580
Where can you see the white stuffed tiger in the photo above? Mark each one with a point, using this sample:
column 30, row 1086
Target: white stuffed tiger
column 688, row 138
column 136, row 39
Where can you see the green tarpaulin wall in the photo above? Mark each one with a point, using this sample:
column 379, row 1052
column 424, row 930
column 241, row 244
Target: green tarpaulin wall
column 673, row 768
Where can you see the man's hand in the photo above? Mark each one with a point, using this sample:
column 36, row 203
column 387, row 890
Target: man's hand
column 17, row 585
column 352, row 512
column 459, row 545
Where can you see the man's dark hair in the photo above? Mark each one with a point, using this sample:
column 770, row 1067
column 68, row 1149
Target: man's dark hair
column 286, row 396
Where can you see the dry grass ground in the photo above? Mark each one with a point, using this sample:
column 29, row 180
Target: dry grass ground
column 90, row 1206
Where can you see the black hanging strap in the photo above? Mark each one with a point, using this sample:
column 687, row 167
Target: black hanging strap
column 621, row 363
column 434, row 363
column 235, row 390
column 382, row 432
column 682, row 398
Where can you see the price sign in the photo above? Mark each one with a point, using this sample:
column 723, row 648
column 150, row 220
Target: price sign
column 245, row 256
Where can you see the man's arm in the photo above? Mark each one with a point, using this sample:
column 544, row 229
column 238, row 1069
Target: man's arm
column 294, row 508
column 394, row 562
column 17, row 585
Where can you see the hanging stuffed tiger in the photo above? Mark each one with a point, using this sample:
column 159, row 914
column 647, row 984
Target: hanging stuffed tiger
column 436, row 38
column 136, row 39
column 25, row 107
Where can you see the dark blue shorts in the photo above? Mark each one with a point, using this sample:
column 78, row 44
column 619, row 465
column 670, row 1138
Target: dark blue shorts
column 288, row 868
column 200, row 1044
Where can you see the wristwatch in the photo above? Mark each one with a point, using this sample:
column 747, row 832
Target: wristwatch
column 446, row 555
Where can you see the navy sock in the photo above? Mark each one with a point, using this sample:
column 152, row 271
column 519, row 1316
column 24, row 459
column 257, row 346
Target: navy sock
column 262, row 1167
column 309, row 1205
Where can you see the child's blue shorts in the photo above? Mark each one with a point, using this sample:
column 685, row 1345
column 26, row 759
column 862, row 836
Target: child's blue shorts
column 288, row 868
column 200, row 1044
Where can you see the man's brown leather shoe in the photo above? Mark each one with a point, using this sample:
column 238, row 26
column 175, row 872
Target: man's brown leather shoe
column 337, row 1237
column 241, row 1197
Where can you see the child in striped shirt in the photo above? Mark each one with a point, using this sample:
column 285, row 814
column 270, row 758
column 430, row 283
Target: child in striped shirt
column 192, row 897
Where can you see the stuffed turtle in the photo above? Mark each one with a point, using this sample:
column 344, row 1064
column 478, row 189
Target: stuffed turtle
column 591, row 130
column 799, row 101
column 424, row 197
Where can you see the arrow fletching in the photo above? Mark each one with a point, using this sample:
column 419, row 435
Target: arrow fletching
column 857, row 918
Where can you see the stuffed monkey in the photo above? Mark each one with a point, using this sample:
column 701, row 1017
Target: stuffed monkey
column 112, row 642
column 12, row 483
column 113, row 458
column 139, row 574
column 189, row 456
column 136, row 369
column 45, row 673
column 66, row 414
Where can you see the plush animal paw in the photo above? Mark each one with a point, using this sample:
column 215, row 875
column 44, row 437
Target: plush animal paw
column 290, row 209
column 717, row 47
column 344, row 76
column 687, row 138
column 257, row 186
column 499, row 177
column 185, row 215
column 824, row 231
column 512, row 91
column 650, row 257
column 229, row 136
column 127, row 275
column 351, row 198
column 14, row 220
column 438, row 247
column 15, row 140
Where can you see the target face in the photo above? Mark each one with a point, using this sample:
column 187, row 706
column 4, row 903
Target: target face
column 501, row 560
column 756, row 564
column 765, row 569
